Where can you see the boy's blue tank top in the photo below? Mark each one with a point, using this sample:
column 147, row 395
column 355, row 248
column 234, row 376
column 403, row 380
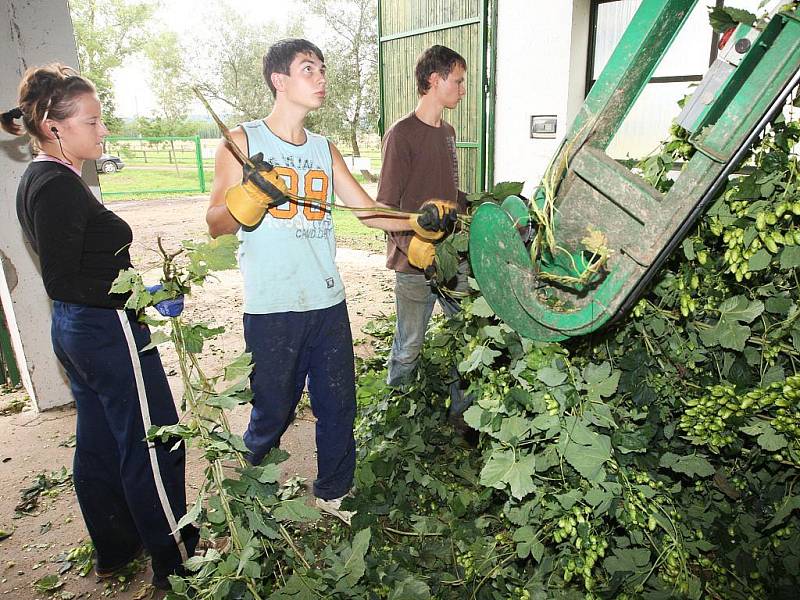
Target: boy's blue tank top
column 288, row 259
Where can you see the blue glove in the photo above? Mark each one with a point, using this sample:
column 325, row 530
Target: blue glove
column 167, row 308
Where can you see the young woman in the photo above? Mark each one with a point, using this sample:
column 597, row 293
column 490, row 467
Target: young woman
column 131, row 492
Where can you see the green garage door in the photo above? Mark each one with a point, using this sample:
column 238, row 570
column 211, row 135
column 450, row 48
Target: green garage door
column 405, row 29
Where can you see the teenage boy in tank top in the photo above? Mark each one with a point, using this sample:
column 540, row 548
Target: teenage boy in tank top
column 295, row 317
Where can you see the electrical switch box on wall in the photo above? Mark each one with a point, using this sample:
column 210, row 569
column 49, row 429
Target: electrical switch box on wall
column 543, row 126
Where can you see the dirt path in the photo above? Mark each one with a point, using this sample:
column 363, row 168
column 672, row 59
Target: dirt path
column 40, row 443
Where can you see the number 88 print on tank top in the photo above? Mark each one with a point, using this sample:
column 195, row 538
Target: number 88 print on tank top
column 288, row 260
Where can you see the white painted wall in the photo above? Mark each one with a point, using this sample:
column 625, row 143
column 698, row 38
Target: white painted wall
column 541, row 70
column 33, row 33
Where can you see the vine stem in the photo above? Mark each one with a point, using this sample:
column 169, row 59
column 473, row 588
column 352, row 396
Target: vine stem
column 242, row 463
column 216, row 468
column 411, row 533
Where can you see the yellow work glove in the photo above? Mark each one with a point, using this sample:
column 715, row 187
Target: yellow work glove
column 261, row 189
column 437, row 219
column 421, row 254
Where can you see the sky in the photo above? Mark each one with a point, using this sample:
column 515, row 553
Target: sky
column 133, row 96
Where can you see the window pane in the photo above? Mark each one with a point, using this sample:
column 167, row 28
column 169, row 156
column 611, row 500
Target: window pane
column 691, row 51
column 612, row 19
column 649, row 121
column 751, row 5
column 688, row 55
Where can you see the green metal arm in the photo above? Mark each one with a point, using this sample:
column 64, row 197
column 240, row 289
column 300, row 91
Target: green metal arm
column 641, row 224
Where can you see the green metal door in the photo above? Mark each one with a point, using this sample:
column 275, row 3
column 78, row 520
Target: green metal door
column 405, row 29
column 9, row 372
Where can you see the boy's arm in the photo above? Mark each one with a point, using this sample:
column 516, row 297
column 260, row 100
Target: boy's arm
column 227, row 173
column 350, row 192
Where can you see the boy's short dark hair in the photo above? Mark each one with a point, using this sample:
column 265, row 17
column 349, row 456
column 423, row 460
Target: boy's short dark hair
column 280, row 55
column 436, row 59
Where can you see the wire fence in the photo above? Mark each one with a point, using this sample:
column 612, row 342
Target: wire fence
column 135, row 166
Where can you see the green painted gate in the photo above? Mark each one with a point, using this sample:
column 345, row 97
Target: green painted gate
column 9, row 372
column 405, row 29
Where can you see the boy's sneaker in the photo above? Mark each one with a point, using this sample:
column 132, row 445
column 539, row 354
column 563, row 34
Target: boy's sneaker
column 334, row 507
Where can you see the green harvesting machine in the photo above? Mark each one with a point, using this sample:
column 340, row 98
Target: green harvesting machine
column 578, row 281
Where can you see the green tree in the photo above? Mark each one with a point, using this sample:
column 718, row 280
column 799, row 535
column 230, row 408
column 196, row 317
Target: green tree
column 106, row 34
column 231, row 74
column 351, row 57
column 170, row 80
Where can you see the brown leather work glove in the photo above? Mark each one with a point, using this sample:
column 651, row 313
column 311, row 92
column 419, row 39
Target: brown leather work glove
column 436, row 220
column 421, row 254
column 261, row 189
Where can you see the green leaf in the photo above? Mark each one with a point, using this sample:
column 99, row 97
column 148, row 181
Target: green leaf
column 627, row 560
column 295, row 510
column 193, row 336
column 191, row 515
column 241, row 367
column 513, row 429
column 596, row 373
column 691, row 465
column 792, row 504
column 528, row 544
column 299, row 587
column 741, row 309
column 790, row 257
column 446, row 261
column 47, row 584
column 728, row 333
column 551, row 376
column 688, row 249
column 410, row 589
column 584, row 448
column 127, row 280
column 760, row 260
column 156, row 338
column 771, row 441
column 601, row 381
column 723, row 18
column 217, row 254
column 481, row 308
column 732, row 336
column 778, row 305
column 503, row 469
column 505, row 189
column 352, row 567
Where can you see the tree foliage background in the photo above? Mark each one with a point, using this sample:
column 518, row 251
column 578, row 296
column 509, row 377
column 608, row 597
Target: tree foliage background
column 228, row 70
column 351, row 57
column 106, row 34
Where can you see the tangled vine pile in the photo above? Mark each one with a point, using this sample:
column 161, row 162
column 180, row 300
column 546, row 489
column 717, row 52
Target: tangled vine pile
column 657, row 459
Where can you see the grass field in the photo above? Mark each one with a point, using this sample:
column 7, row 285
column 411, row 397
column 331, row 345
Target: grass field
column 152, row 182
column 134, row 184
column 352, row 234
column 137, row 181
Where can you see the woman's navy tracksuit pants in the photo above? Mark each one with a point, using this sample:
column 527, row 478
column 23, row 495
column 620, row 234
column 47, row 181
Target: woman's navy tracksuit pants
column 131, row 491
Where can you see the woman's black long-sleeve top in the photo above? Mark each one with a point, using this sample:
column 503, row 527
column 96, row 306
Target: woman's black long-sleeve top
column 82, row 246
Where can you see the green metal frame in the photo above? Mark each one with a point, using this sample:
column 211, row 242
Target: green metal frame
column 198, row 159
column 9, row 371
column 484, row 162
column 641, row 224
column 491, row 92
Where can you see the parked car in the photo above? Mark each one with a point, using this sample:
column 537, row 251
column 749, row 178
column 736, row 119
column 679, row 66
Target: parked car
column 108, row 163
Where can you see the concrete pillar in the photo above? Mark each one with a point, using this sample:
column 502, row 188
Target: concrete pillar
column 33, row 33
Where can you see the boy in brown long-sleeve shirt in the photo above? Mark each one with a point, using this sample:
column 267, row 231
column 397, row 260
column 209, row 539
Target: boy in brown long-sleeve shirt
column 420, row 163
